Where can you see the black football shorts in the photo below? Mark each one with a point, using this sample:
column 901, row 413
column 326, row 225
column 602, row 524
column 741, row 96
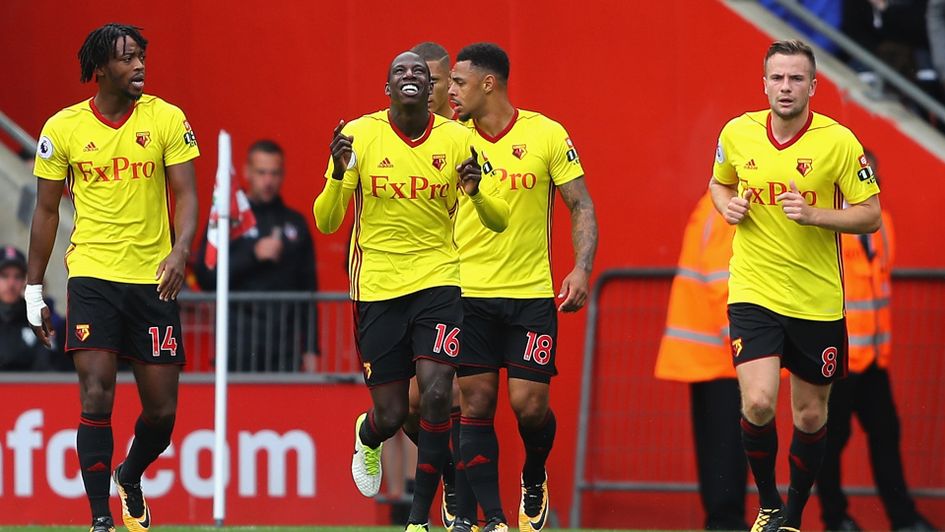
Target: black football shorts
column 394, row 333
column 520, row 335
column 815, row 351
column 127, row 319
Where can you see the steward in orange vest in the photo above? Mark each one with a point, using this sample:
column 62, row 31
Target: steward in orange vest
column 867, row 265
column 695, row 350
column 695, row 346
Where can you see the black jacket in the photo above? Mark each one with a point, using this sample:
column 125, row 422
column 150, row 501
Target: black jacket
column 269, row 336
column 21, row 350
column 295, row 270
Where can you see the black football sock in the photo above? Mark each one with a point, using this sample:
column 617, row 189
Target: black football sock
column 807, row 453
column 369, row 434
column 151, row 438
column 465, row 498
column 449, row 467
column 538, row 442
column 761, row 448
column 431, row 454
column 94, row 445
column 480, row 451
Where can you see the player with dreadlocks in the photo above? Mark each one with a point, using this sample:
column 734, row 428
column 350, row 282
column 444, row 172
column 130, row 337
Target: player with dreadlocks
column 121, row 153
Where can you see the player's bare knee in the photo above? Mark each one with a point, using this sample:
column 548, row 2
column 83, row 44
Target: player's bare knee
column 479, row 404
column 96, row 397
column 436, row 401
column 531, row 409
column 161, row 417
column 389, row 418
column 811, row 417
column 758, row 407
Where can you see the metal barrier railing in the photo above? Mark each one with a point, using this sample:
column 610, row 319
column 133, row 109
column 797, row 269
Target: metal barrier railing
column 274, row 332
column 856, row 51
column 634, row 431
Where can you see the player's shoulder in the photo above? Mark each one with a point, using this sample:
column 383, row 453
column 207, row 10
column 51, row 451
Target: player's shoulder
column 368, row 121
column 449, row 126
column 157, row 107
column 536, row 120
column 825, row 124
column 69, row 114
column 748, row 121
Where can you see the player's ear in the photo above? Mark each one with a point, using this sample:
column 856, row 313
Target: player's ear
column 488, row 83
column 764, row 83
column 387, row 89
column 813, row 87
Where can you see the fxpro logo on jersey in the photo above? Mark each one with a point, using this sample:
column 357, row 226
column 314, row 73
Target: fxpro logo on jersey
column 116, row 170
column 415, row 187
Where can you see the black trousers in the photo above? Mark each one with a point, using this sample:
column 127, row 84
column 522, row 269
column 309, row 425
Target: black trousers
column 720, row 457
column 869, row 396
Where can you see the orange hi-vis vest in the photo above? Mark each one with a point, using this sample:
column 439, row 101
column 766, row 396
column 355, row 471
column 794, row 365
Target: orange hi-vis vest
column 695, row 345
column 867, row 286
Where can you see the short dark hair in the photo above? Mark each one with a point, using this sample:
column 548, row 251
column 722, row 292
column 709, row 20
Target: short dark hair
column 265, row 146
column 99, row 46
column 792, row 47
column 488, row 56
column 431, row 51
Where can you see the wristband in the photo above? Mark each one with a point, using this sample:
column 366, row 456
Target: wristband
column 34, row 304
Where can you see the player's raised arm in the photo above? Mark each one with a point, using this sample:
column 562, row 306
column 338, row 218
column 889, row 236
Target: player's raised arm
column 170, row 272
column 330, row 206
column 574, row 288
column 493, row 211
column 42, row 238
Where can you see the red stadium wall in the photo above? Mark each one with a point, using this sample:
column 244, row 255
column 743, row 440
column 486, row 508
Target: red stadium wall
column 643, row 88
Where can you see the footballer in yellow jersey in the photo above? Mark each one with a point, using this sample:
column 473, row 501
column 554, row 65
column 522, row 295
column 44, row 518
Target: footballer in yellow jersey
column 529, row 159
column 403, row 167
column 792, row 269
column 782, row 176
column 115, row 175
column 122, row 155
column 510, row 315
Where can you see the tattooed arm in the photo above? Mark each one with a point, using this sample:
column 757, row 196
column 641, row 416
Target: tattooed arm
column 574, row 289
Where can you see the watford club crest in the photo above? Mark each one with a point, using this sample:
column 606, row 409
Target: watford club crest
column 804, row 166
column 82, row 331
column 736, row 347
column 143, row 138
column 519, row 151
column 439, row 161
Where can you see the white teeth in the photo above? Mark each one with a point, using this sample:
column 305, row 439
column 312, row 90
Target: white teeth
column 411, row 90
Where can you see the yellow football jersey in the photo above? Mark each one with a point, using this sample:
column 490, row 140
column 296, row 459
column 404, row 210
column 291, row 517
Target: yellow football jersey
column 116, row 178
column 528, row 160
column 791, row 269
column 405, row 199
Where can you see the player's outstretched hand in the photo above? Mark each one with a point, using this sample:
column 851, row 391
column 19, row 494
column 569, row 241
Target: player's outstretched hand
column 574, row 290
column 470, row 173
column 341, row 153
column 795, row 207
column 170, row 275
column 737, row 208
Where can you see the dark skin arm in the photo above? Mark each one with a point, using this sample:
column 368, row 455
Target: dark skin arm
column 42, row 238
column 574, row 288
column 170, row 272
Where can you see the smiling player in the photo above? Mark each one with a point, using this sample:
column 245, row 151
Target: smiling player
column 404, row 167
